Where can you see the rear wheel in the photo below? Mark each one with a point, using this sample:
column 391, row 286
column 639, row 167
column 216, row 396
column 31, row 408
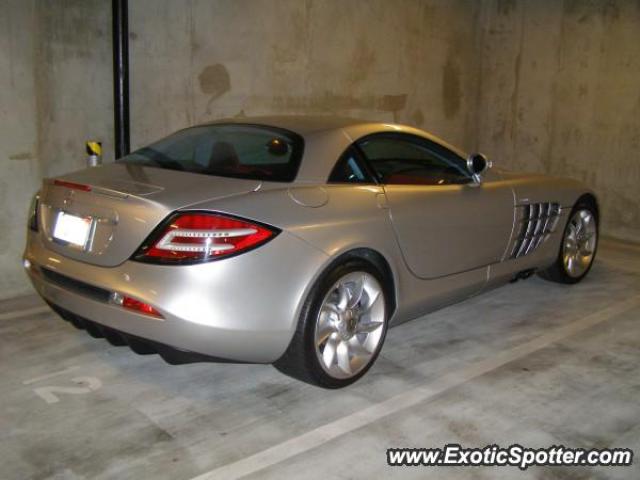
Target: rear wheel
column 579, row 246
column 342, row 327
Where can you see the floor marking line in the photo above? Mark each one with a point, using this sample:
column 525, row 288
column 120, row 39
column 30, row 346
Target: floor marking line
column 48, row 375
column 321, row 435
column 24, row 313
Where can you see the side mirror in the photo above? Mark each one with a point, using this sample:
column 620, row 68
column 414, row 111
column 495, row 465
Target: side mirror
column 477, row 164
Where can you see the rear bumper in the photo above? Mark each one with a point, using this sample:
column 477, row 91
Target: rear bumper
column 242, row 309
column 141, row 346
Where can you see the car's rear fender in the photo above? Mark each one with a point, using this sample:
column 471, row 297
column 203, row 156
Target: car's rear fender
column 242, row 308
column 347, row 219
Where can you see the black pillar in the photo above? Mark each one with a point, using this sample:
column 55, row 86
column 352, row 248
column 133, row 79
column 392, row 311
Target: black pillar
column 120, row 21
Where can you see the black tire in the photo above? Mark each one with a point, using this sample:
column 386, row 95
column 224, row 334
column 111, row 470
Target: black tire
column 557, row 272
column 300, row 360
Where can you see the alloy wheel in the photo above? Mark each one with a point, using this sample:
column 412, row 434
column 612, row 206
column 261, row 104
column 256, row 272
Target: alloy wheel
column 350, row 325
column 580, row 242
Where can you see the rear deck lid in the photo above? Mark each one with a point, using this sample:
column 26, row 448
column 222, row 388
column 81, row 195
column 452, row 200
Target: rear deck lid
column 102, row 215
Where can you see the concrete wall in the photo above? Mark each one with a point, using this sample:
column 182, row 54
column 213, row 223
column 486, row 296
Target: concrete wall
column 19, row 162
column 55, row 93
column 560, row 94
column 544, row 85
column 404, row 60
column 73, row 78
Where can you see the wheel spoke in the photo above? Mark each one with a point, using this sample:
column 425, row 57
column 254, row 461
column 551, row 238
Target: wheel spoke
column 570, row 263
column 344, row 362
column 378, row 298
column 367, row 327
column 329, row 352
column 577, row 225
column 343, row 297
column 357, row 348
column 324, row 330
column 330, row 308
column 356, row 293
column 360, row 356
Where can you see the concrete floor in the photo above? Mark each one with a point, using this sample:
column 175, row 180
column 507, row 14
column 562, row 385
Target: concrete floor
column 532, row 363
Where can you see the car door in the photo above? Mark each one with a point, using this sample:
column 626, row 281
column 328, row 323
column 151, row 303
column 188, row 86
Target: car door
column 444, row 221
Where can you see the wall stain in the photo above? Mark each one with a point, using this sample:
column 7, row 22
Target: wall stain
column 21, row 156
column 328, row 102
column 608, row 11
column 505, row 7
column 417, row 117
column 516, row 83
column 5, row 218
column 392, row 103
column 214, row 81
column 451, row 92
column 583, row 90
column 364, row 58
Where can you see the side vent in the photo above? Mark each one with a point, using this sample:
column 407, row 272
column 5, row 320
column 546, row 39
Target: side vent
column 536, row 222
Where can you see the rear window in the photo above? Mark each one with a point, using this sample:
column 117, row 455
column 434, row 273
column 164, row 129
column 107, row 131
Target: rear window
column 239, row 151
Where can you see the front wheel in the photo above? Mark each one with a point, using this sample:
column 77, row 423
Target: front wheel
column 341, row 329
column 579, row 246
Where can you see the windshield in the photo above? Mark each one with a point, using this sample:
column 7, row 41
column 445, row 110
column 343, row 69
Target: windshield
column 239, row 151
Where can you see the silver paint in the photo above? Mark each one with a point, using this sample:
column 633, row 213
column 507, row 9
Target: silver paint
column 442, row 243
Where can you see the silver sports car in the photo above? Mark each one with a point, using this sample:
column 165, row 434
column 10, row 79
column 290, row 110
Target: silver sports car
column 295, row 241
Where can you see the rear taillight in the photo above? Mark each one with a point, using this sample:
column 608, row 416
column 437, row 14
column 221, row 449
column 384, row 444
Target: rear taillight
column 194, row 237
column 33, row 213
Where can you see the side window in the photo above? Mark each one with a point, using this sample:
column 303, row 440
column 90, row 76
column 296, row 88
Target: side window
column 350, row 169
column 408, row 160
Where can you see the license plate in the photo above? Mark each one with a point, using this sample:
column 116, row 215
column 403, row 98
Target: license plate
column 72, row 229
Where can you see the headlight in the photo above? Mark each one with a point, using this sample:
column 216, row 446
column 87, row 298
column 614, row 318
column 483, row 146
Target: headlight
column 33, row 213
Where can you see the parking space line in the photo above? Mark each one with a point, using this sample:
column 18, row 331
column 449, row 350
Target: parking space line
column 24, row 313
column 48, row 375
column 321, row 435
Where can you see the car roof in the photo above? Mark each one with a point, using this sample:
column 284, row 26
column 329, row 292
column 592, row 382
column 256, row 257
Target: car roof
column 327, row 137
column 301, row 124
